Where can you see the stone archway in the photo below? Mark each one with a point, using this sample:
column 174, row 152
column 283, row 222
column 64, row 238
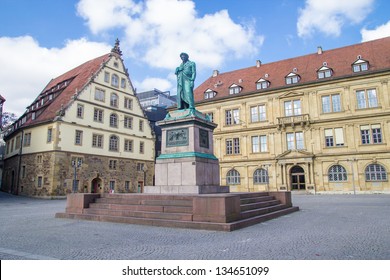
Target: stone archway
column 96, row 185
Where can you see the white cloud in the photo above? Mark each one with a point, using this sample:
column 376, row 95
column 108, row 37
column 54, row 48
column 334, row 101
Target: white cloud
column 150, row 83
column 330, row 16
column 30, row 67
column 379, row 32
column 157, row 31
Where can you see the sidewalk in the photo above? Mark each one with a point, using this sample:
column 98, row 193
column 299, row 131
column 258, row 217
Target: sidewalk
column 326, row 227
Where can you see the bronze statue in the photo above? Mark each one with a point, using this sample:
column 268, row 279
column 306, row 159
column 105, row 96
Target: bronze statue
column 186, row 74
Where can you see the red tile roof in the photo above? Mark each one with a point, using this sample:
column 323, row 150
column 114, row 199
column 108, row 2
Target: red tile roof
column 340, row 60
column 63, row 87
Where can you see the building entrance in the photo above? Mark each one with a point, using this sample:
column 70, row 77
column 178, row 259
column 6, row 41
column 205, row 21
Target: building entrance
column 96, row 185
column 298, row 178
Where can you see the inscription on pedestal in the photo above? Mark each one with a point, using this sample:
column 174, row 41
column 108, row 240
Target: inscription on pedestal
column 177, row 137
column 203, row 138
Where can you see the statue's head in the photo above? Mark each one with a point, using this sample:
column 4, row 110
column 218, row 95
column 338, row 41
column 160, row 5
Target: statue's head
column 184, row 56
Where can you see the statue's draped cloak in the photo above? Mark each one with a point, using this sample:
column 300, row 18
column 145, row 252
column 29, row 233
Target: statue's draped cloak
column 186, row 74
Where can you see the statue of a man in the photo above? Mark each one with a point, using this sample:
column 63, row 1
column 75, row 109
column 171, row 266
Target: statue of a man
column 186, row 74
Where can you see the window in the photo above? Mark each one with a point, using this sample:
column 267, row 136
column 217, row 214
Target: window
column 141, row 125
column 128, row 103
column 123, row 83
column 23, row 171
column 324, row 72
column 234, row 89
column 292, row 108
column 128, row 122
column 33, row 115
column 232, row 116
column 128, row 145
column 259, row 144
column 337, row 173
column 112, row 164
column 39, row 158
column 140, row 166
column 233, row 146
column 360, row 65
column 106, row 77
column 371, row 134
column 78, row 137
column 331, row 103
column 115, row 80
column 39, row 181
column 209, row 94
column 27, row 139
column 113, row 145
column 99, row 94
column 114, row 100
column 113, row 120
column 334, row 137
column 97, row 141
column 262, row 84
column 260, row 176
column 292, row 78
column 17, row 142
column 141, row 147
column 375, row 172
column 98, row 115
column 127, row 186
column 49, row 135
column 233, row 177
column 366, row 98
column 295, row 141
column 112, row 186
column 258, row 113
column 80, row 111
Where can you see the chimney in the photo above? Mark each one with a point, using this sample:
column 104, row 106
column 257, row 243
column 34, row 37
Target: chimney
column 258, row 63
column 215, row 73
column 319, row 50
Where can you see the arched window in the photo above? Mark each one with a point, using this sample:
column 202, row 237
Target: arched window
column 113, row 120
column 114, row 100
column 114, row 141
column 260, row 176
column 375, row 172
column 337, row 173
column 233, row 177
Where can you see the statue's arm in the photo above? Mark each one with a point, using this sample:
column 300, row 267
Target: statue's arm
column 193, row 71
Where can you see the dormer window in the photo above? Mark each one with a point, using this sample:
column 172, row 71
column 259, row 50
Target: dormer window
column 262, row 84
column 324, row 72
column 234, row 89
column 360, row 65
column 209, row 94
column 292, row 78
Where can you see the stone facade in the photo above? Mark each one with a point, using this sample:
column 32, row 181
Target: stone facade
column 317, row 135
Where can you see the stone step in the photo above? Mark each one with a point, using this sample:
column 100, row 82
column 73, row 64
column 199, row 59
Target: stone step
column 256, row 205
column 256, row 199
column 139, row 214
column 145, row 201
column 254, row 194
column 262, row 218
column 261, row 211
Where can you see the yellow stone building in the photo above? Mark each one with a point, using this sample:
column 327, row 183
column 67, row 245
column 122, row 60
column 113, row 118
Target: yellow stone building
column 315, row 123
column 85, row 132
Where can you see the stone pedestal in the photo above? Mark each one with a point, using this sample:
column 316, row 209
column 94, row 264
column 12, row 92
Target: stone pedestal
column 187, row 163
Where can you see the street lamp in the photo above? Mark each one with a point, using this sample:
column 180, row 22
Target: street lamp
column 76, row 164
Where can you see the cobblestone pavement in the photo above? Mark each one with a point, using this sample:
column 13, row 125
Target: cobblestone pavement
column 327, row 227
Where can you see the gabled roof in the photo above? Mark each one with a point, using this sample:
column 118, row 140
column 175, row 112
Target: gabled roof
column 376, row 52
column 63, row 89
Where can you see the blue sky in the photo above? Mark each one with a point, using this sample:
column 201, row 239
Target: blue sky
column 41, row 39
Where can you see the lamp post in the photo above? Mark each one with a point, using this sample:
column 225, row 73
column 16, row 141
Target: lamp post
column 353, row 173
column 76, row 164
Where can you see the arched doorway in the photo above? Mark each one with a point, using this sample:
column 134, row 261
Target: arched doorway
column 96, row 185
column 297, row 178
